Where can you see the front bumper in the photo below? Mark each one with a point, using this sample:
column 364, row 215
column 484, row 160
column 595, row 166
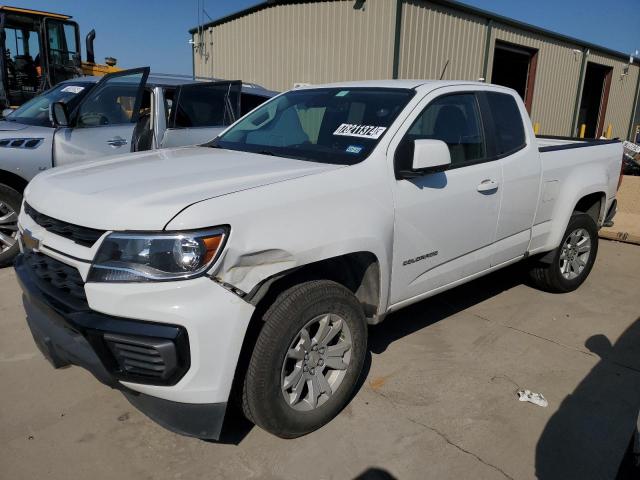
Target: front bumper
column 192, row 402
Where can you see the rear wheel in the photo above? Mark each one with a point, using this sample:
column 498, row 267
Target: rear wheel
column 307, row 359
column 10, row 202
column 572, row 261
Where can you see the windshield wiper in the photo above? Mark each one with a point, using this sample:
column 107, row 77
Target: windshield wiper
column 266, row 152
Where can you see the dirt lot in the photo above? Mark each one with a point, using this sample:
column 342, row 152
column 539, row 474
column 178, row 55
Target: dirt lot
column 438, row 400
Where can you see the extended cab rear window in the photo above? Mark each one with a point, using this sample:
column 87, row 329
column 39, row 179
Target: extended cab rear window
column 328, row 125
column 206, row 105
column 509, row 134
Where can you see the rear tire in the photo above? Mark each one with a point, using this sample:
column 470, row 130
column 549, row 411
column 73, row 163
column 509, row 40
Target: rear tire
column 10, row 203
column 572, row 261
column 297, row 382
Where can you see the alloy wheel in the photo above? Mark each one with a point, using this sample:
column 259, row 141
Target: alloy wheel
column 575, row 253
column 8, row 227
column 316, row 362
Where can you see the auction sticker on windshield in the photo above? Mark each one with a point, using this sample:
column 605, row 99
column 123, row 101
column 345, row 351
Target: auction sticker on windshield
column 360, row 131
column 73, row 89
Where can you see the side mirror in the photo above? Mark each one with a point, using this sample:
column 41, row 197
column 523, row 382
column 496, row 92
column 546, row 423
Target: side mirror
column 430, row 156
column 58, row 114
column 6, row 112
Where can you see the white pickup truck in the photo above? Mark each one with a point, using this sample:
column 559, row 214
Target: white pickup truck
column 249, row 269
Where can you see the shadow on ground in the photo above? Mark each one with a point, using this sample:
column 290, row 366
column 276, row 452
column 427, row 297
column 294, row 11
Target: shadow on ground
column 588, row 435
column 397, row 326
column 427, row 312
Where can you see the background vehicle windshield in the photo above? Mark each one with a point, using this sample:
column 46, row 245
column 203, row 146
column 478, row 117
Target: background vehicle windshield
column 36, row 110
column 328, row 125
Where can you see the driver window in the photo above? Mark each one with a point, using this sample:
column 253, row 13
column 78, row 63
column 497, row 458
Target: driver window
column 454, row 119
column 111, row 106
column 111, row 103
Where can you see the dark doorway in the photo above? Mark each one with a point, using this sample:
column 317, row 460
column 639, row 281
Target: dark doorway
column 515, row 67
column 595, row 95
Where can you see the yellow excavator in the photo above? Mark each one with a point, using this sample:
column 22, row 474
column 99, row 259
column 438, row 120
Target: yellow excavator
column 39, row 49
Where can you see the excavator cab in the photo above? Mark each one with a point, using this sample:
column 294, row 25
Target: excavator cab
column 37, row 50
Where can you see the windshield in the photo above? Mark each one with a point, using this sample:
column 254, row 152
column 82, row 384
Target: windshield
column 36, row 110
column 328, row 125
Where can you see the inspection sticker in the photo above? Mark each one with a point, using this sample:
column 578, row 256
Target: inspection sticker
column 360, row 131
column 354, row 149
column 72, row 89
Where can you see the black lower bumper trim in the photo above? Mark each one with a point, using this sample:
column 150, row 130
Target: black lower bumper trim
column 167, row 356
column 192, row 419
column 77, row 338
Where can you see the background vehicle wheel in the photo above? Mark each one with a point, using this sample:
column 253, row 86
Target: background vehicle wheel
column 10, row 202
column 307, row 359
column 572, row 260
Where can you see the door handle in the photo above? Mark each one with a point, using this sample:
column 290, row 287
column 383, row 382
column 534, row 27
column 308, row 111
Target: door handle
column 488, row 185
column 117, row 141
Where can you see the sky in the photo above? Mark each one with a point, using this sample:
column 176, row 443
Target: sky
column 156, row 33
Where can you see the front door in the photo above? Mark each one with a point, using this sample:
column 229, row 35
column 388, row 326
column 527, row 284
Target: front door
column 200, row 111
column 104, row 122
column 445, row 222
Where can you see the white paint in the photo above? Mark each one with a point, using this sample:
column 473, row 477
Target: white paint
column 286, row 213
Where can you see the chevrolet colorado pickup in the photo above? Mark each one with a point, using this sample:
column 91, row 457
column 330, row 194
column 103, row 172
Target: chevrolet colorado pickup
column 247, row 270
column 123, row 112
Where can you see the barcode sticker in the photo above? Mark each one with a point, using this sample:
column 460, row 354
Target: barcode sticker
column 360, row 131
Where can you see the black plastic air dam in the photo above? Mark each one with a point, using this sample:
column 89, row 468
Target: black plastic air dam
column 200, row 420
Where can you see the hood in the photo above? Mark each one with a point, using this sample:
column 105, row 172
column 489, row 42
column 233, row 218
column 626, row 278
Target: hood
column 144, row 191
column 6, row 126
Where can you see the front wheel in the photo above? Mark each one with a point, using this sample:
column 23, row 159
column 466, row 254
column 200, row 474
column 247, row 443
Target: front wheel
column 307, row 359
column 572, row 261
column 10, row 202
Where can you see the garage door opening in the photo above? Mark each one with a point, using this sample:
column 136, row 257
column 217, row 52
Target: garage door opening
column 515, row 67
column 595, row 95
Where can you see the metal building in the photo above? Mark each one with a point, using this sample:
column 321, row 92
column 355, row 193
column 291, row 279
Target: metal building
column 565, row 82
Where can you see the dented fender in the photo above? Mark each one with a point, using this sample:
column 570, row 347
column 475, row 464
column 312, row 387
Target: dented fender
column 278, row 227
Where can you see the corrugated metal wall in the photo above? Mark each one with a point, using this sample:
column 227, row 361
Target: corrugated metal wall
column 557, row 76
column 431, row 35
column 312, row 42
column 623, row 88
column 327, row 41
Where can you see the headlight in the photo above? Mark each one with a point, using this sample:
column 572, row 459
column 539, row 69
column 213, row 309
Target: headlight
column 148, row 257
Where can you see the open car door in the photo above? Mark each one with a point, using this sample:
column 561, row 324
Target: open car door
column 199, row 111
column 62, row 50
column 104, row 122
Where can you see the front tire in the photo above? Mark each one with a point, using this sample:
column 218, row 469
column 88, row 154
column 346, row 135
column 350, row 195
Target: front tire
column 307, row 359
column 572, row 261
column 10, row 203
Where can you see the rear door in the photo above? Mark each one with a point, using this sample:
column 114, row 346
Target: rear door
column 199, row 111
column 104, row 122
column 517, row 152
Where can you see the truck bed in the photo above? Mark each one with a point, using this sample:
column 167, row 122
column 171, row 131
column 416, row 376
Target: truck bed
column 548, row 143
